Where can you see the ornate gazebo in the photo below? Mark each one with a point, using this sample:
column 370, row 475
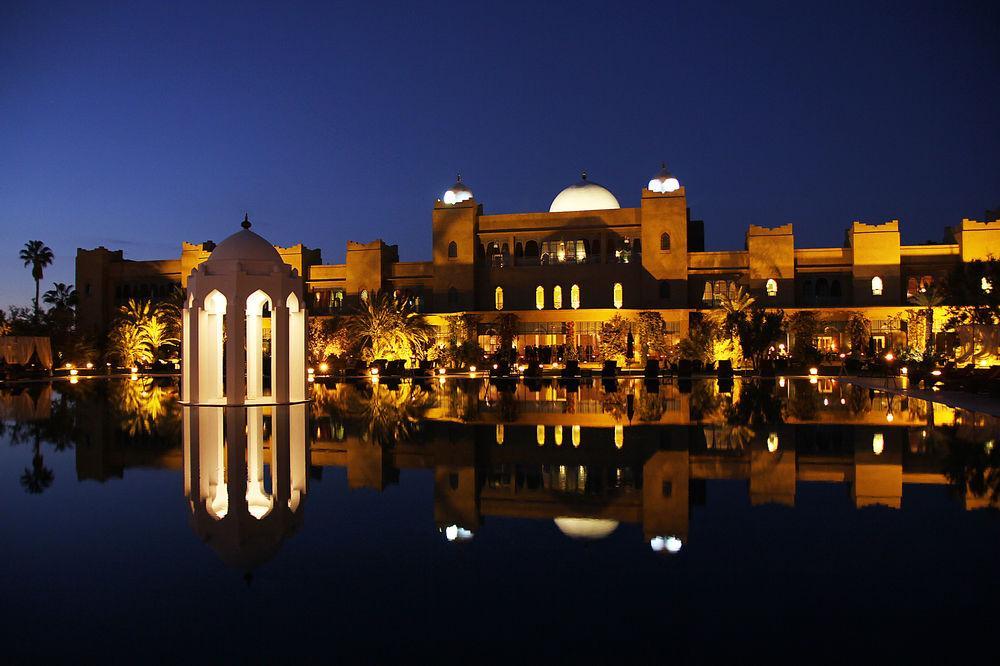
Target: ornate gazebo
column 228, row 299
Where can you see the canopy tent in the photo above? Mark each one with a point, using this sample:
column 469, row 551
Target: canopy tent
column 18, row 350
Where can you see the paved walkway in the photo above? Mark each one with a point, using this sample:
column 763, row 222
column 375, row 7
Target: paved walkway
column 959, row 399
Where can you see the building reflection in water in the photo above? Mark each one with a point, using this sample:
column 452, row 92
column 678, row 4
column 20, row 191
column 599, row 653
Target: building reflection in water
column 245, row 478
column 587, row 457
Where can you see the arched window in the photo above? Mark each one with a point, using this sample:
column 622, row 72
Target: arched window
column 706, row 295
column 664, row 289
column 911, row 287
column 617, row 294
column 452, row 296
column 822, row 287
column 540, row 298
column 771, row 287
column 557, row 297
column 720, row 291
column 453, row 250
column 664, row 241
column 876, row 286
column 574, row 296
column 518, row 250
column 611, row 250
column 498, row 298
column 531, row 249
column 835, row 289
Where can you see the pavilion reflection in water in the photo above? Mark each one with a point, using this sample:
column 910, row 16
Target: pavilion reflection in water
column 245, row 477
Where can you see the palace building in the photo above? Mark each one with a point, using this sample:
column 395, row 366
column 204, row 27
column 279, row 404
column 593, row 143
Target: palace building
column 567, row 270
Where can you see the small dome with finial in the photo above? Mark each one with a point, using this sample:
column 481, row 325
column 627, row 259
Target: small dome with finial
column 457, row 193
column 663, row 181
column 245, row 246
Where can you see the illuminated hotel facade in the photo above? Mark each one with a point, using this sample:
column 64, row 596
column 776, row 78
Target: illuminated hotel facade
column 565, row 271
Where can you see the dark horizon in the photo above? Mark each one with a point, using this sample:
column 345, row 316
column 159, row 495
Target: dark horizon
column 139, row 126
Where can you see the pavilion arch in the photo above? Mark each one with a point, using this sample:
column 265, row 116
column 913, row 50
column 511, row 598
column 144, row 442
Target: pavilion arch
column 256, row 302
column 211, row 334
column 296, row 349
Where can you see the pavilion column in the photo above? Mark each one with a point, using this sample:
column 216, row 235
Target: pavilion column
column 189, row 362
column 279, row 353
column 254, row 344
column 235, row 366
column 280, row 456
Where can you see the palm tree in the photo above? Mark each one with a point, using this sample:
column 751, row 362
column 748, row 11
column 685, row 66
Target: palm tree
column 38, row 255
column 61, row 296
column 928, row 299
column 732, row 310
column 389, row 328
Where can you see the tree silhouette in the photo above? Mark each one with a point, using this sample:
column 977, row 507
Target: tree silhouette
column 38, row 255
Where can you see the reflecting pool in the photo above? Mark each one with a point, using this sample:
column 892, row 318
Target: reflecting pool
column 544, row 521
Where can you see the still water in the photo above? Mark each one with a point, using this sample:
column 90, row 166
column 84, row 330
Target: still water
column 538, row 522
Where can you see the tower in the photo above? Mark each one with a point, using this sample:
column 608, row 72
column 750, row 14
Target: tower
column 456, row 224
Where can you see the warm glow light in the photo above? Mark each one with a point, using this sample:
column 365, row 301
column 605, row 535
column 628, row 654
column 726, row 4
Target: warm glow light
column 373, row 371
column 876, row 286
column 441, row 371
column 500, row 434
column 324, row 367
column 889, row 417
column 558, row 432
column 74, row 380
column 772, row 442
column 771, row 287
column 889, row 356
column 843, row 401
column 983, row 363
column 878, row 444
column 498, row 298
column 904, row 370
column 472, row 369
column 69, row 365
column 574, row 297
column 456, row 533
column 90, row 366
column 813, row 380
column 814, row 371
column 557, row 297
column 134, row 377
column 540, row 435
column 781, row 382
column 133, row 369
column 575, row 434
column 826, row 402
column 540, row 298
column 936, row 373
column 310, row 371
column 617, row 294
column 619, row 436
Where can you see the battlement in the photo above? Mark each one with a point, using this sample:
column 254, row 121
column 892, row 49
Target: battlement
column 781, row 230
column 862, row 228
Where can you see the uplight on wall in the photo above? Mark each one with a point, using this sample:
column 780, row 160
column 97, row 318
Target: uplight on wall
column 772, row 442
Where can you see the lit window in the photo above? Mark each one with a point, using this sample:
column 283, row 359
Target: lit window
column 558, row 432
column 364, row 295
column 576, row 435
column 617, row 292
column 986, row 285
column 664, row 241
column 539, row 298
column 876, row 286
column 498, row 297
column 452, row 250
column 557, row 298
column 540, row 435
column 574, row 296
column 771, row 287
column 878, row 443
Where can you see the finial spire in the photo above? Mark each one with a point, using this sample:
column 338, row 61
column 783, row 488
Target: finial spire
column 583, row 175
column 459, row 178
column 246, row 221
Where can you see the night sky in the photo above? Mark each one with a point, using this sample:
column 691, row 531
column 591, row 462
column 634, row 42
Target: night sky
column 137, row 126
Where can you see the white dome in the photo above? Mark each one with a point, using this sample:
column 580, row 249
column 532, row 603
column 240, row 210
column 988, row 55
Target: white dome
column 245, row 246
column 663, row 181
column 584, row 195
column 586, row 528
column 457, row 193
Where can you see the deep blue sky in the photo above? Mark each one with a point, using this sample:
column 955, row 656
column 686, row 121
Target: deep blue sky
column 139, row 125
